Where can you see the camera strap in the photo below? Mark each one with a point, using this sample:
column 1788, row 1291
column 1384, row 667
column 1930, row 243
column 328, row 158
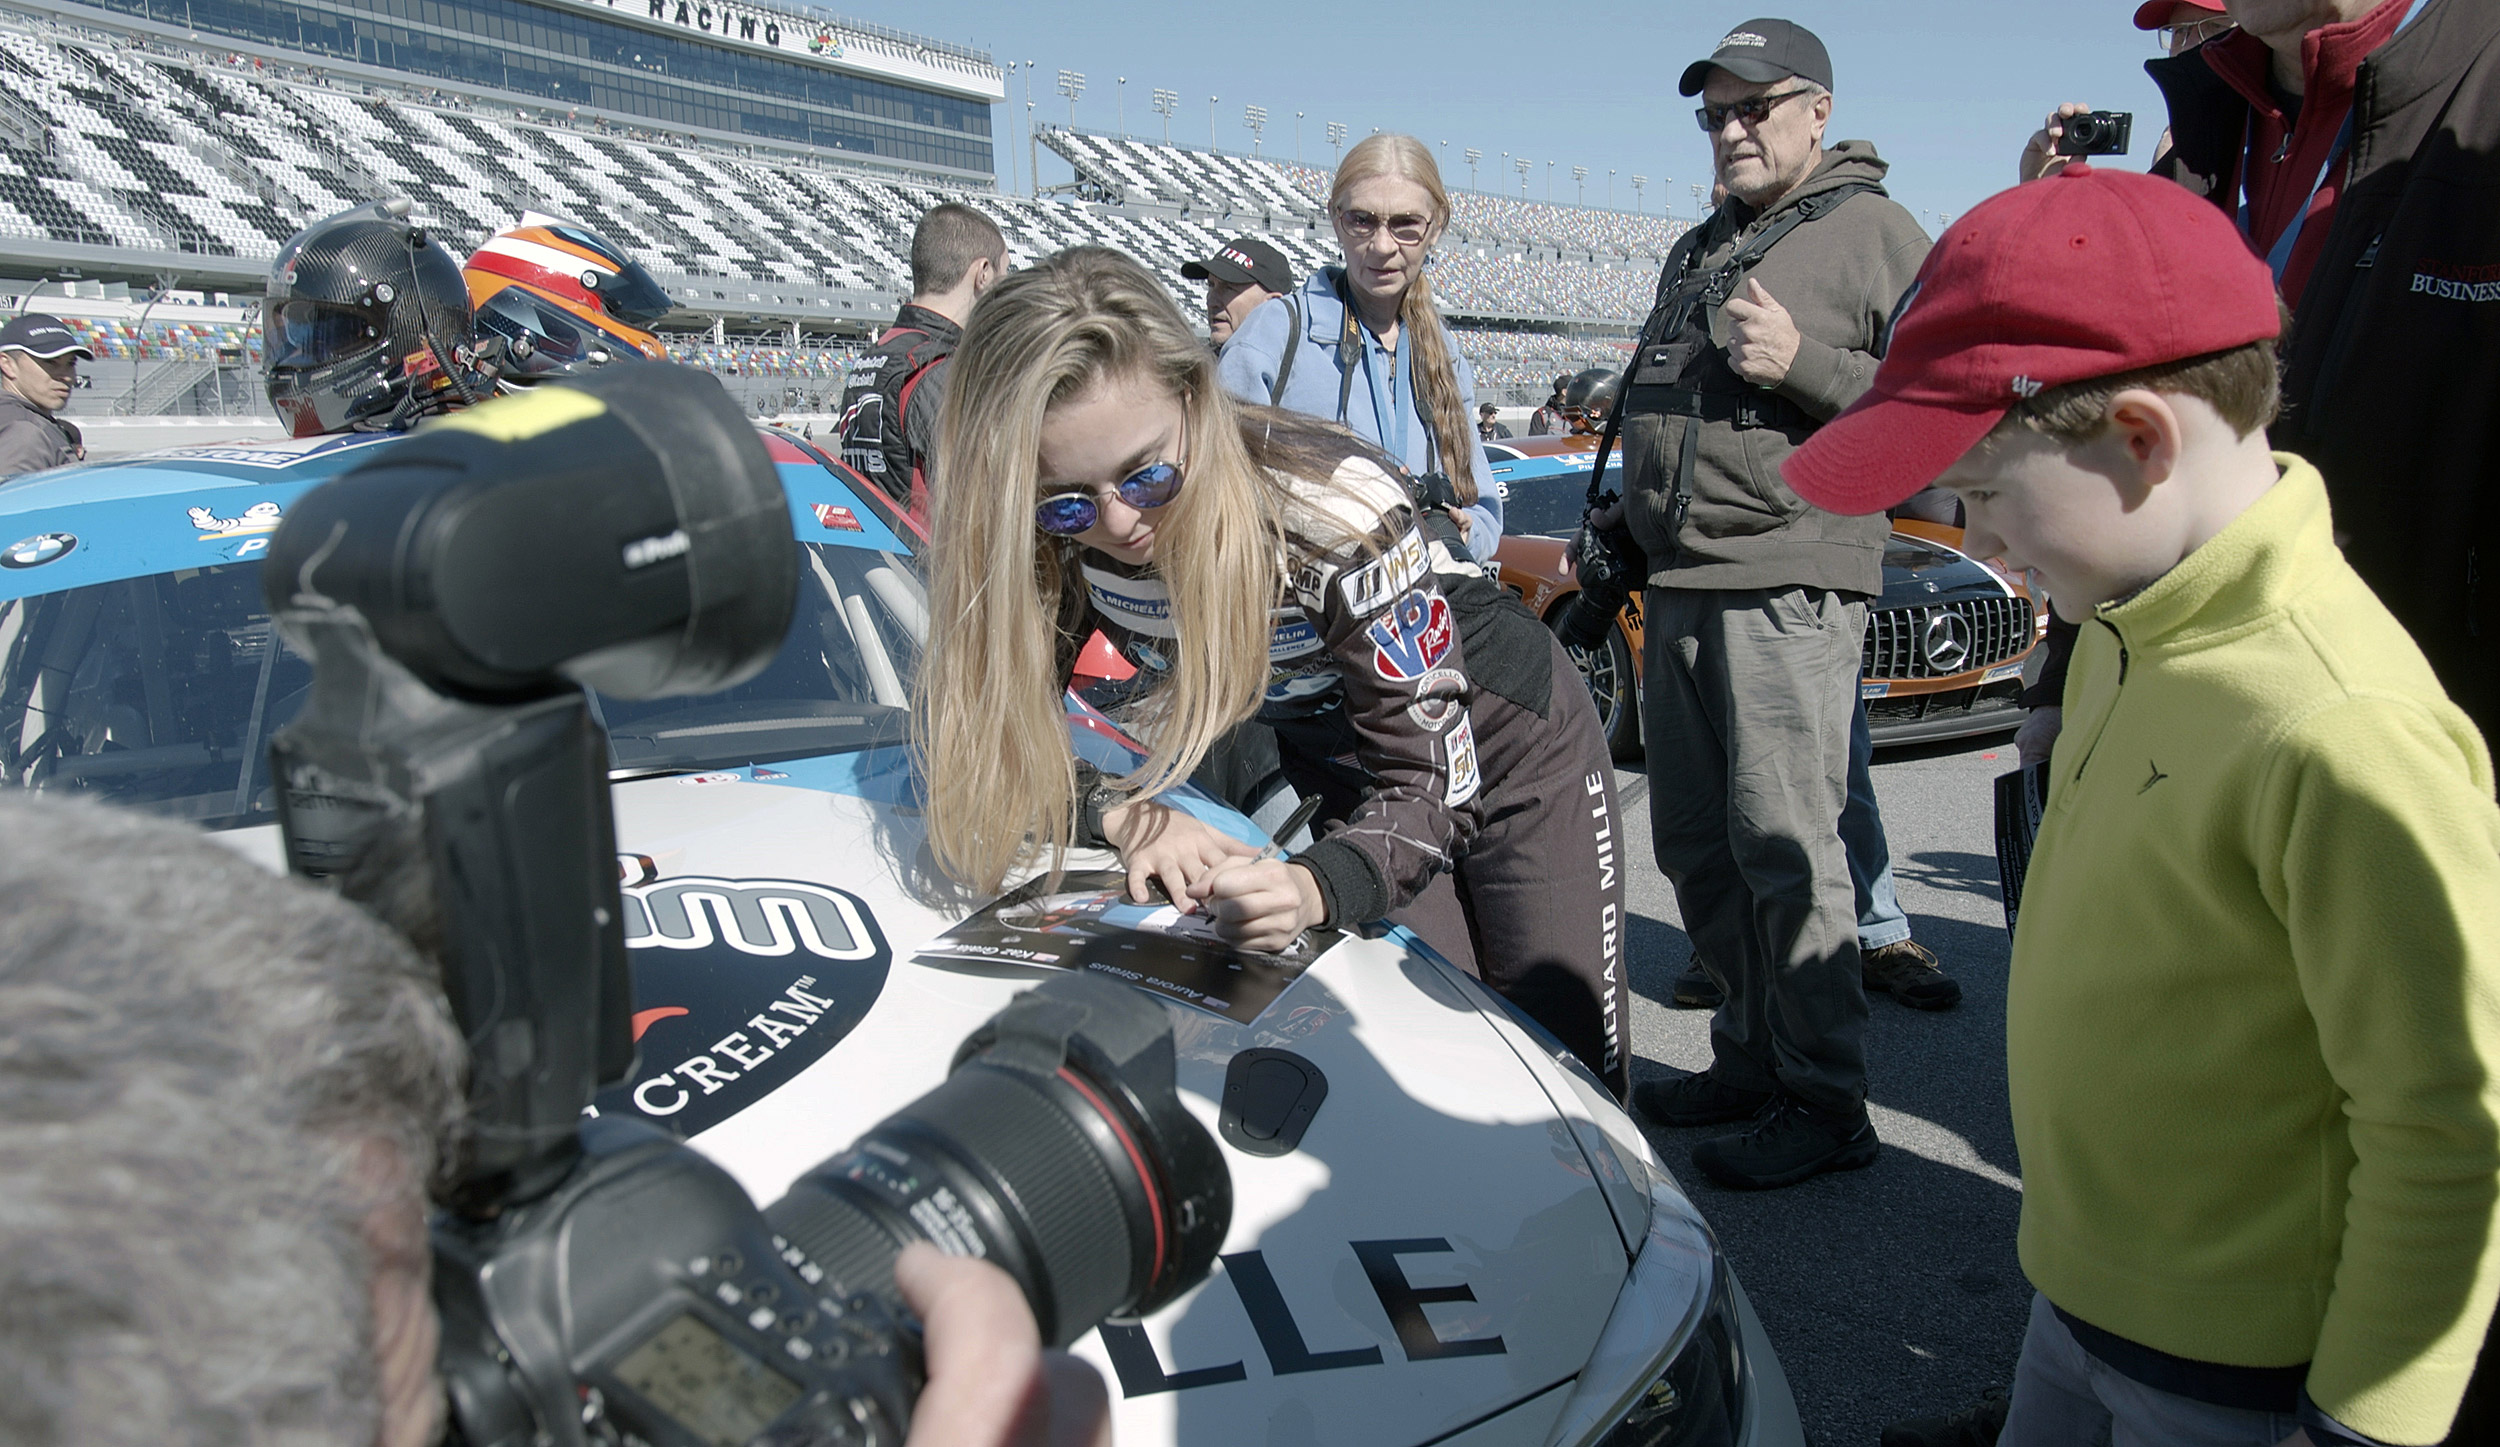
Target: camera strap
column 1293, row 345
column 1675, row 307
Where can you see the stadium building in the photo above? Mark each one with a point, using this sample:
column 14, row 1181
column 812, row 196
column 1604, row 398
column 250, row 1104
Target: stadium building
column 765, row 161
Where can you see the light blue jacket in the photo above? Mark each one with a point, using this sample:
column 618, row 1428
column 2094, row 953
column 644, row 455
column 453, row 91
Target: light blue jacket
column 1252, row 357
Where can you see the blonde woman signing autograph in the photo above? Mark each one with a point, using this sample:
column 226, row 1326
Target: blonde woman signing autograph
column 1255, row 562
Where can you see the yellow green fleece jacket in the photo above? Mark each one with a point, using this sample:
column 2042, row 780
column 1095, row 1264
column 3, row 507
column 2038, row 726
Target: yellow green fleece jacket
column 2254, row 1015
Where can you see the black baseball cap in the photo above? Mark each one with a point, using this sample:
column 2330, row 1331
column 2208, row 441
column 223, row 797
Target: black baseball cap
column 41, row 336
column 1244, row 258
column 1763, row 51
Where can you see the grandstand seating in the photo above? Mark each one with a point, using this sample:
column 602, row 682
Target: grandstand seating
column 127, row 143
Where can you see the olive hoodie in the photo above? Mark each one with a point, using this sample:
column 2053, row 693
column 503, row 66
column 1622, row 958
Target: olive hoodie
column 1839, row 276
column 2253, row 1020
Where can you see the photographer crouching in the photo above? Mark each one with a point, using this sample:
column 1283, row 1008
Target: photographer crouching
column 225, row 1097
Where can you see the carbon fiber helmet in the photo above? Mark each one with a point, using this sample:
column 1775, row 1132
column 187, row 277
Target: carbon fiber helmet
column 1590, row 397
column 367, row 325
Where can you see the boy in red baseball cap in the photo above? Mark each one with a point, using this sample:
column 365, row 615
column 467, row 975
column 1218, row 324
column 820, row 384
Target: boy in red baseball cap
column 2253, row 1024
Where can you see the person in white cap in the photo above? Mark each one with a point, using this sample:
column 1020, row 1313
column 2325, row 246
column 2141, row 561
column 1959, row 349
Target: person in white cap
column 38, row 365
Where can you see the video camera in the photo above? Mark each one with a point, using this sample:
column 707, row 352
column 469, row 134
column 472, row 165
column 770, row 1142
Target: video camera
column 599, row 1281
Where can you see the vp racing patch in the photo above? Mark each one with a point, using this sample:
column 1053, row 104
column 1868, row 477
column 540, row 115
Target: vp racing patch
column 743, row 983
column 1413, row 636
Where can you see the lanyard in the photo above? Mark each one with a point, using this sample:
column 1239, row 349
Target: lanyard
column 1401, row 392
column 2279, row 255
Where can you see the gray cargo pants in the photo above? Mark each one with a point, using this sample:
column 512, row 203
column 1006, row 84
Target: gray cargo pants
column 1748, row 698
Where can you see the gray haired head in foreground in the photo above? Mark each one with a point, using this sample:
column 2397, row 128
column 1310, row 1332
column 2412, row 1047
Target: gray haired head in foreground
column 209, row 1077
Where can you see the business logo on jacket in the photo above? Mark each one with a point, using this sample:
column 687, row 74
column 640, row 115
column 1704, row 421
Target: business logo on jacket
column 2451, row 282
column 746, row 982
column 1415, row 634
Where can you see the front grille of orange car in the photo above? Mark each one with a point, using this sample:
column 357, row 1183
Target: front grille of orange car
column 1901, row 643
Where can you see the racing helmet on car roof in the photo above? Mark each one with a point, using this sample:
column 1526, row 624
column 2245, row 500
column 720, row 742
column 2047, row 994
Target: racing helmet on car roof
column 563, row 298
column 367, row 325
column 1589, row 397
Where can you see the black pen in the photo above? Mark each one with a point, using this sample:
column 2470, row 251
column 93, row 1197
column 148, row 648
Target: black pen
column 1302, row 814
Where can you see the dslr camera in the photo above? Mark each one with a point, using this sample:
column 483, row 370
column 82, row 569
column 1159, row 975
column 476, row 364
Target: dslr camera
column 2095, row 133
column 599, row 1281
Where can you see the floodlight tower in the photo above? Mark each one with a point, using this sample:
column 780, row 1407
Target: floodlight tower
column 1297, row 138
column 1697, row 202
column 1166, row 102
column 1254, row 120
column 1524, row 165
column 1336, row 143
column 1212, row 144
column 1580, row 185
column 1549, row 180
column 1610, row 188
column 1072, row 85
column 1638, row 182
column 1473, row 156
column 1123, row 104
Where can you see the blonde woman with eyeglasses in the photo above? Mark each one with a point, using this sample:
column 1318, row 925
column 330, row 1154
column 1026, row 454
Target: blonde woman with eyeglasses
column 1362, row 344
column 1251, row 563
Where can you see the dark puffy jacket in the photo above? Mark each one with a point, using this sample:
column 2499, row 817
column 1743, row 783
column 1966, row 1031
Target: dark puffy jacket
column 1839, row 276
column 2391, row 378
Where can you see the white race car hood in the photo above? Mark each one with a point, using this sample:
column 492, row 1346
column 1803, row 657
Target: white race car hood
column 1436, row 1250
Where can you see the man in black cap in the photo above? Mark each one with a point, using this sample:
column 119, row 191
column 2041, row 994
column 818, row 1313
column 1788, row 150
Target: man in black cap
column 1241, row 276
column 1768, row 318
column 38, row 365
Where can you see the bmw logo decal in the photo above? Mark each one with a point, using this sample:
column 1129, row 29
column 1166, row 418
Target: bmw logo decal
column 38, row 550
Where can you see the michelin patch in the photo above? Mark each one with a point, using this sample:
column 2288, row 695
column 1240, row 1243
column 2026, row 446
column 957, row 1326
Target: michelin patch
column 1460, row 752
column 1438, row 696
column 1370, row 587
column 1413, row 637
column 1141, row 605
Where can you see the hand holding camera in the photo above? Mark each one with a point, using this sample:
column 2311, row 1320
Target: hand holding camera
column 2072, row 130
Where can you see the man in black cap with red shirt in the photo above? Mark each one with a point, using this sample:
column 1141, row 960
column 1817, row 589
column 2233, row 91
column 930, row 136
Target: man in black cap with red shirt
column 1240, row 278
column 38, row 365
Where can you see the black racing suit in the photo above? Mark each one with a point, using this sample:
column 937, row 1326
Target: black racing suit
column 1420, row 701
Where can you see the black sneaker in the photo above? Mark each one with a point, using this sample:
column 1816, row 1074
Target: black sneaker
column 1788, row 1143
column 1695, row 990
column 1976, row 1426
column 1908, row 972
column 1701, row 1099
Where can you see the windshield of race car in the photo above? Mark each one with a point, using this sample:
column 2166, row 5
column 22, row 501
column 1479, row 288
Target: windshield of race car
column 160, row 692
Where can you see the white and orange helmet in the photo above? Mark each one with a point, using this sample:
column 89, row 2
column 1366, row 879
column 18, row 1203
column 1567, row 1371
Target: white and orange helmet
column 563, row 298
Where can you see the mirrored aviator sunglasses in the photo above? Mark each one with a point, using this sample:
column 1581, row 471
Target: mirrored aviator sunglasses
column 1065, row 514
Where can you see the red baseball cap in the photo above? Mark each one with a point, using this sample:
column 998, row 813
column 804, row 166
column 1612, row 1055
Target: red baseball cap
column 2080, row 275
column 2154, row 14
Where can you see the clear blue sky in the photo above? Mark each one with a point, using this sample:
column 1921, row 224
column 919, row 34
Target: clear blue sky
column 1946, row 89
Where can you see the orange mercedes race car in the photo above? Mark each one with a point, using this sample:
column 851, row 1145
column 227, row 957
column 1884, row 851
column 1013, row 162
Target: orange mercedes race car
column 1945, row 644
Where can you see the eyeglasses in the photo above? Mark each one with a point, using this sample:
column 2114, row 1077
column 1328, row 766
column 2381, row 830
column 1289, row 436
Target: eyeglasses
column 1405, row 228
column 1748, row 113
column 1066, row 514
column 2188, row 34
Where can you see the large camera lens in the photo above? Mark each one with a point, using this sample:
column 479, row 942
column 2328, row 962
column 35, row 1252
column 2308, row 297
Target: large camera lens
column 1057, row 1150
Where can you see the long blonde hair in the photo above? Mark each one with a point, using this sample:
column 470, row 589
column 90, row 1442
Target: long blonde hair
column 988, row 723
column 1436, row 367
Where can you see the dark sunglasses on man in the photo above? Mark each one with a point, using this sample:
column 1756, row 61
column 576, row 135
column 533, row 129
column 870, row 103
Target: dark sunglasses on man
column 1406, row 228
column 1748, row 113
